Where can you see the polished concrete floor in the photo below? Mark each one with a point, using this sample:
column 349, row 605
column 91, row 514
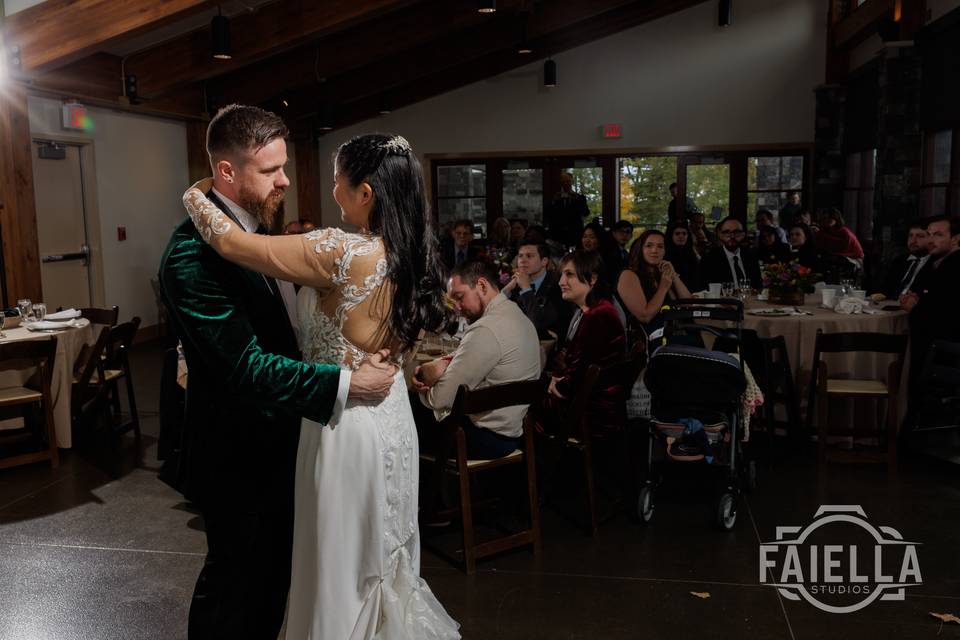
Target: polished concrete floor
column 100, row 549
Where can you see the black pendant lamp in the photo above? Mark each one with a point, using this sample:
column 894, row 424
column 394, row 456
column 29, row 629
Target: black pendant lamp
column 325, row 117
column 725, row 13
column 487, row 6
column 220, row 28
column 549, row 73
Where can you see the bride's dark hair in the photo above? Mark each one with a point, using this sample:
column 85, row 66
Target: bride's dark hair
column 401, row 216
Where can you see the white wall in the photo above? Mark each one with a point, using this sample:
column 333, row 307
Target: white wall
column 13, row 6
column 680, row 80
column 141, row 168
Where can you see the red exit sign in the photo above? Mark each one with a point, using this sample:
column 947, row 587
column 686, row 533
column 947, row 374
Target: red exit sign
column 611, row 131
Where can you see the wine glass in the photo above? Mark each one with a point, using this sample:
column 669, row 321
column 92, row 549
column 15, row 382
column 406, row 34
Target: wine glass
column 846, row 286
column 25, row 307
column 726, row 290
column 39, row 311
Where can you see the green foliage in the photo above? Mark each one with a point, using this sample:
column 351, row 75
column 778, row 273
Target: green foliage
column 644, row 190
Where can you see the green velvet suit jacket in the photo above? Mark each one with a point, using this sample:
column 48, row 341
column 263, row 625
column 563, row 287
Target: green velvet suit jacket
column 246, row 386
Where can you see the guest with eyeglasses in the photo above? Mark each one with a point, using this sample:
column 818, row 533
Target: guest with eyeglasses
column 731, row 262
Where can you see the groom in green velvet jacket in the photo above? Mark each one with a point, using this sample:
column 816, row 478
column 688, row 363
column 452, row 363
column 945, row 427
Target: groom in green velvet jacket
column 246, row 388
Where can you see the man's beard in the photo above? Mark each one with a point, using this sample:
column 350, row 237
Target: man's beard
column 268, row 211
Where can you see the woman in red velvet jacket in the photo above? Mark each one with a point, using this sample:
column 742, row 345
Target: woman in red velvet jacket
column 596, row 336
column 835, row 239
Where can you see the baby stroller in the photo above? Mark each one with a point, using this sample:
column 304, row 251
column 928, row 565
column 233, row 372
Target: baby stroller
column 696, row 400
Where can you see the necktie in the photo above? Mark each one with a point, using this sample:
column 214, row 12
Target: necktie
column 908, row 276
column 738, row 271
column 460, row 257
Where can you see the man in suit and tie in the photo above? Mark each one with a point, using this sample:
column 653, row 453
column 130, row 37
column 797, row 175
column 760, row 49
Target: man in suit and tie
column 536, row 290
column 731, row 262
column 622, row 232
column 903, row 270
column 247, row 389
column 461, row 250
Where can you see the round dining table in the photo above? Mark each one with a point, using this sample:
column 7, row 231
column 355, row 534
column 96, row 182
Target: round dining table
column 799, row 331
column 69, row 343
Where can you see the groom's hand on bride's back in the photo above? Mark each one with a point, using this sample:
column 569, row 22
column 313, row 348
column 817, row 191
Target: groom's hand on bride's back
column 372, row 381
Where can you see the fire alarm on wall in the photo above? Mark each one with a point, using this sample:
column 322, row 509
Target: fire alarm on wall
column 121, row 233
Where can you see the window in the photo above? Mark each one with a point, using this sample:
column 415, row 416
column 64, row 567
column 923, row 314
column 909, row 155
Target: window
column 588, row 182
column 769, row 180
column 937, row 168
column 462, row 194
column 644, row 190
column 858, row 192
column 523, row 194
column 708, row 186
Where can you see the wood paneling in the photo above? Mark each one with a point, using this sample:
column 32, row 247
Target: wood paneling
column 18, row 214
column 56, row 32
column 198, row 162
column 308, row 164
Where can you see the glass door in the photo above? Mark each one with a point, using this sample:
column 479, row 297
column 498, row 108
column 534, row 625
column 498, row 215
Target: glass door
column 708, row 187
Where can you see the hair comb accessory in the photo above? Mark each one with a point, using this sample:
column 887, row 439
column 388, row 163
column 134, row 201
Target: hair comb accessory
column 397, row 145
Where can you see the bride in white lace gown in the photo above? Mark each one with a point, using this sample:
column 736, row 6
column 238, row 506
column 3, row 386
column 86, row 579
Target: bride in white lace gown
column 356, row 546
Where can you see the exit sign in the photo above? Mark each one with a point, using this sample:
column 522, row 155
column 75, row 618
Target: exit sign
column 75, row 117
column 611, row 131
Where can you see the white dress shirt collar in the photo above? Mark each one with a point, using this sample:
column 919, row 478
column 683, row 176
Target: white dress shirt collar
column 246, row 219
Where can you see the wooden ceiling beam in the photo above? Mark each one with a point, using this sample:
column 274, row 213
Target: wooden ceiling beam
column 56, row 32
column 443, row 78
column 567, row 24
column 270, row 29
column 338, row 53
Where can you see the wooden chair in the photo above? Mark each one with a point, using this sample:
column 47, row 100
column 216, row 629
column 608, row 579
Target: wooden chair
column 116, row 367
column 89, row 394
column 770, row 364
column 108, row 317
column 39, row 354
column 855, row 388
column 454, row 461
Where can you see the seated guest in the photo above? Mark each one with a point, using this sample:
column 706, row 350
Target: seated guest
column 460, row 250
column 835, row 239
column 500, row 233
column 703, row 239
column 537, row 234
column 904, row 269
column 770, row 249
column 595, row 337
column 681, row 252
column 622, row 233
column 790, row 212
column 596, row 238
column 934, row 301
column 764, row 220
column 499, row 346
column 518, row 229
column 649, row 280
column 730, row 262
column 802, row 248
column 536, row 290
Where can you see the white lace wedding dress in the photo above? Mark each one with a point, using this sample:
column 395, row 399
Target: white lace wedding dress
column 356, row 546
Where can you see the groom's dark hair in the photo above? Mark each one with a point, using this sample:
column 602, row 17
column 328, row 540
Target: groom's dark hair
column 471, row 271
column 240, row 128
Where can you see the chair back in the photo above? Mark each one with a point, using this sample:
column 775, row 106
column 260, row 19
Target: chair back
column 118, row 343
column 859, row 341
column 511, row 394
column 88, row 360
column 33, row 353
column 108, row 317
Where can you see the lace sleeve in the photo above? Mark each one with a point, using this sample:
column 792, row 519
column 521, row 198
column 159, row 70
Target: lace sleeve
column 308, row 259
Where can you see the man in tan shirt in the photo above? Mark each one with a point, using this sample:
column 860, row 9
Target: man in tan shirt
column 500, row 345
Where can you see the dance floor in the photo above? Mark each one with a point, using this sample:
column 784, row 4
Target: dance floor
column 100, row 549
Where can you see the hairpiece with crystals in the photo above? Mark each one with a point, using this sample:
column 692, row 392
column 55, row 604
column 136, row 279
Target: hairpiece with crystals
column 397, row 145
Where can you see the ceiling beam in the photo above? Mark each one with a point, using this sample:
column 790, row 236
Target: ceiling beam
column 253, row 36
column 338, row 53
column 441, row 78
column 56, row 32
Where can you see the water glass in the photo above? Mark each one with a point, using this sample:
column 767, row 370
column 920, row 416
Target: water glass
column 25, row 307
column 744, row 292
column 39, row 311
column 726, row 290
column 846, row 287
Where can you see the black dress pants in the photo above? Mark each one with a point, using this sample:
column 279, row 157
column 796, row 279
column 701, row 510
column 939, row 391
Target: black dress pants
column 242, row 588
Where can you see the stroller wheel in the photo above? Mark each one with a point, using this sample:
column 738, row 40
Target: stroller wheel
column 726, row 512
column 645, row 505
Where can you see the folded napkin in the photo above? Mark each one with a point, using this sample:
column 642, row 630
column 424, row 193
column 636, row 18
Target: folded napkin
column 850, row 305
column 48, row 325
column 66, row 314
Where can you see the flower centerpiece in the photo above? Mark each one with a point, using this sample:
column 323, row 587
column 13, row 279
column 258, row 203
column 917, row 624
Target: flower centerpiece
column 787, row 282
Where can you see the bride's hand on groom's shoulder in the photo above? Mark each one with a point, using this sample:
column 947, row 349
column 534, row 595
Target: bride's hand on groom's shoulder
column 373, row 379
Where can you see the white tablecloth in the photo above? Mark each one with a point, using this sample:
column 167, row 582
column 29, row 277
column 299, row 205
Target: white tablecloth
column 69, row 343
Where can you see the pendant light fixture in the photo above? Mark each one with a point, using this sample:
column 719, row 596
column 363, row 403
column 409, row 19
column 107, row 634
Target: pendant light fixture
column 725, row 13
column 549, row 73
column 524, row 47
column 220, row 28
column 325, row 117
column 487, row 6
